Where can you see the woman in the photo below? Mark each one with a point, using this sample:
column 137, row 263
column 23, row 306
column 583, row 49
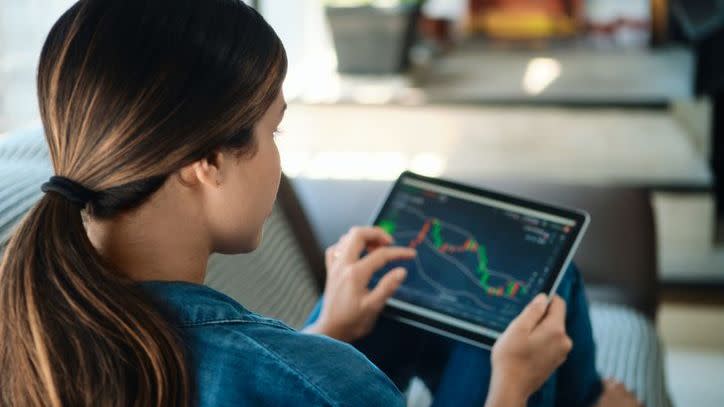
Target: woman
column 160, row 117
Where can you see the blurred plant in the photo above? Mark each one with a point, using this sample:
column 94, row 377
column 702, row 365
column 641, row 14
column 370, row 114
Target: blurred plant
column 373, row 3
column 372, row 36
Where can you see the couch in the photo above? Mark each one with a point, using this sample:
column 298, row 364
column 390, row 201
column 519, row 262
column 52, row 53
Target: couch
column 618, row 263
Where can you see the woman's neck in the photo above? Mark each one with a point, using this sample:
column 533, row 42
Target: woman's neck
column 161, row 240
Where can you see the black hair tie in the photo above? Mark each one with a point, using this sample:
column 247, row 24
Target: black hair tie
column 69, row 189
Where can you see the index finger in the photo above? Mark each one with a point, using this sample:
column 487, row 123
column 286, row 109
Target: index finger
column 380, row 257
column 358, row 238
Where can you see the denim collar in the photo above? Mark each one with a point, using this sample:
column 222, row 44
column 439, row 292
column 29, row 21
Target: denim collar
column 195, row 304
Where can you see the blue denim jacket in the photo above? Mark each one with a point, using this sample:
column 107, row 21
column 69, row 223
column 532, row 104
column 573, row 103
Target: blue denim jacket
column 243, row 359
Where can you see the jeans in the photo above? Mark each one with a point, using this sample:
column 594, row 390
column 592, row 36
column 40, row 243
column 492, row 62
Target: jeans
column 458, row 374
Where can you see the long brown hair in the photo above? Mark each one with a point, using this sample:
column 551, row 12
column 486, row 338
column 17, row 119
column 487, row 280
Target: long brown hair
column 129, row 91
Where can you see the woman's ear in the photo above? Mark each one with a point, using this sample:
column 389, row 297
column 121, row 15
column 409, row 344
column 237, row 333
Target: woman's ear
column 208, row 171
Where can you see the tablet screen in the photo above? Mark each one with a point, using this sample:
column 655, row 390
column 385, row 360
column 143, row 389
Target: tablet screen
column 479, row 259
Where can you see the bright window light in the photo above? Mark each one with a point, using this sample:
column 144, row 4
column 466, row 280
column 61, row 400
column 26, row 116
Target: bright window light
column 358, row 165
column 355, row 165
column 430, row 164
column 294, row 162
column 539, row 74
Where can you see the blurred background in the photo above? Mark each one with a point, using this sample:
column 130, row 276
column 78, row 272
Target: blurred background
column 579, row 92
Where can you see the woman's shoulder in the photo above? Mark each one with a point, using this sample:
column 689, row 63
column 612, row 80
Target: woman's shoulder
column 241, row 356
column 289, row 365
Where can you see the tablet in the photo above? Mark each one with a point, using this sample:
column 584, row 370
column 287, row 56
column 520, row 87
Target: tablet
column 481, row 255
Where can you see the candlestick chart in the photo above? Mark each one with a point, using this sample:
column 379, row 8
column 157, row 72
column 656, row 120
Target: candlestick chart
column 478, row 263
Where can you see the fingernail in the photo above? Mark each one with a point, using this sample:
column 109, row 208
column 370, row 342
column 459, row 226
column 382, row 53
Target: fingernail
column 540, row 298
column 401, row 274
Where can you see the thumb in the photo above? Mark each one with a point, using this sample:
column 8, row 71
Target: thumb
column 386, row 287
column 532, row 314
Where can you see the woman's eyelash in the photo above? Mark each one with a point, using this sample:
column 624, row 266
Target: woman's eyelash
column 278, row 131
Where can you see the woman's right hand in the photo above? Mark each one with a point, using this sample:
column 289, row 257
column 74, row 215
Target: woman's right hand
column 350, row 308
column 528, row 352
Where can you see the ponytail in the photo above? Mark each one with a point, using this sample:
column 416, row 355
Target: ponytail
column 74, row 333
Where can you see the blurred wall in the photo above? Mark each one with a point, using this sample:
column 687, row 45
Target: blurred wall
column 23, row 27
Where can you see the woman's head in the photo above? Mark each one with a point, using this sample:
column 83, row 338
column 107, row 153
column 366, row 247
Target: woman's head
column 135, row 96
column 133, row 91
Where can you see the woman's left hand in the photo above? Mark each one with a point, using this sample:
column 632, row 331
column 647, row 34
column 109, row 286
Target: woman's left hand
column 350, row 309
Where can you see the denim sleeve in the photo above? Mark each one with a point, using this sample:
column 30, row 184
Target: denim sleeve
column 256, row 364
